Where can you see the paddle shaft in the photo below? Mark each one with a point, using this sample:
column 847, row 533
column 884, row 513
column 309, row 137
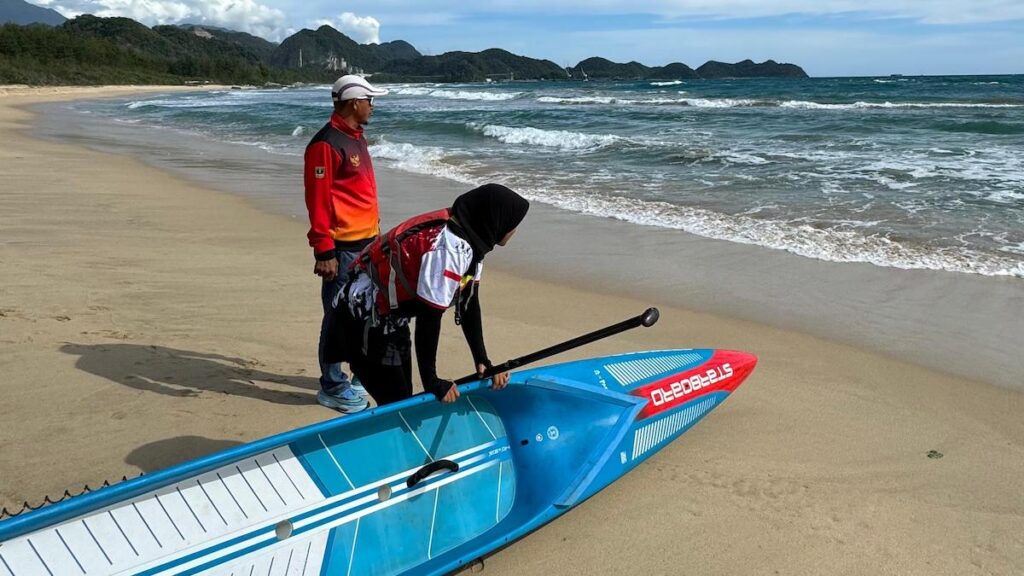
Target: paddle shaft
column 647, row 319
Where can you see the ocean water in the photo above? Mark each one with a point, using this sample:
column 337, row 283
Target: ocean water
column 907, row 172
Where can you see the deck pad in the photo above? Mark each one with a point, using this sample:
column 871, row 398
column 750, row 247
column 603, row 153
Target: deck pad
column 429, row 521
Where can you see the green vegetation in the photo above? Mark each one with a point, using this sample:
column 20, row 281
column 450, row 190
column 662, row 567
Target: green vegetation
column 750, row 69
column 93, row 50
column 594, row 68
column 494, row 64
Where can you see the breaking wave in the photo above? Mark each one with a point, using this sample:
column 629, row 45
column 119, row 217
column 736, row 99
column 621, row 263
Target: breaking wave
column 562, row 139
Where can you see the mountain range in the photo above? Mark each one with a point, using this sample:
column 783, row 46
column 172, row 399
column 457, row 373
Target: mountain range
column 21, row 12
column 39, row 46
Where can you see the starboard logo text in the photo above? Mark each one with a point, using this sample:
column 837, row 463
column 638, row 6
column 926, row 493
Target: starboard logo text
column 691, row 384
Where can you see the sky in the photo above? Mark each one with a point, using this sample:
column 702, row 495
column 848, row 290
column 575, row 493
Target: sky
column 825, row 37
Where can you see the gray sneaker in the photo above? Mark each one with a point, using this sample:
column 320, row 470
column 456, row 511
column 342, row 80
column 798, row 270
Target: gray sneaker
column 344, row 400
column 356, row 386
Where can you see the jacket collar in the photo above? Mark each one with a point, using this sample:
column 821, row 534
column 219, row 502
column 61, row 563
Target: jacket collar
column 340, row 124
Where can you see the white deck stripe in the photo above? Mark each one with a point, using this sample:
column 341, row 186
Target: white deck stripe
column 481, row 417
column 352, row 556
column 135, row 505
column 289, row 477
column 33, row 546
column 305, row 562
column 269, row 481
column 654, row 433
column 98, row 545
column 189, row 506
column 166, row 522
column 433, row 520
column 414, row 435
column 497, row 506
column 121, row 530
column 632, row 371
column 70, row 551
column 252, row 491
column 155, row 513
column 212, row 503
column 358, row 514
column 336, row 463
column 475, row 454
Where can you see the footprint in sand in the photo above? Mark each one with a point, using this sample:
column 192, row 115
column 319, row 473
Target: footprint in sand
column 112, row 334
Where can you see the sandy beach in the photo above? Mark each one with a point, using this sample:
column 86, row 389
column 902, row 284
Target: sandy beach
column 146, row 319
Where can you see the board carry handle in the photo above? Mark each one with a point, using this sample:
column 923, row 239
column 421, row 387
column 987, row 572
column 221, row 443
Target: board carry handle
column 435, row 466
column 647, row 319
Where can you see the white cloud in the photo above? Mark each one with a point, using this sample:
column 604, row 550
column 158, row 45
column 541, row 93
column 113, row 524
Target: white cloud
column 926, row 11
column 243, row 15
column 362, row 29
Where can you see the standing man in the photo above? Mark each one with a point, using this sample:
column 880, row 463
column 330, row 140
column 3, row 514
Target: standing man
column 341, row 197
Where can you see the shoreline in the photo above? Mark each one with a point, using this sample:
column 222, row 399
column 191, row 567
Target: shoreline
column 147, row 320
column 921, row 316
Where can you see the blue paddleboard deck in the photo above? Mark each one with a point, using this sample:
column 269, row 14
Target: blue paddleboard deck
column 339, row 497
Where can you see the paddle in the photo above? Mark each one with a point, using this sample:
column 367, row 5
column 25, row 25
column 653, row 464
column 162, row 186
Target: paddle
column 647, row 319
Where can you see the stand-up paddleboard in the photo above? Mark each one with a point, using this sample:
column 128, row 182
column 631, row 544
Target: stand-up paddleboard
column 417, row 487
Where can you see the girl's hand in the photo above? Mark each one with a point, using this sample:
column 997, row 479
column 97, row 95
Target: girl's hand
column 452, row 395
column 498, row 381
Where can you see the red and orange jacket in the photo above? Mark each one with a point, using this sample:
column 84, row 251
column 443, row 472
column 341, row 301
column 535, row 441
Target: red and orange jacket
column 341, row 190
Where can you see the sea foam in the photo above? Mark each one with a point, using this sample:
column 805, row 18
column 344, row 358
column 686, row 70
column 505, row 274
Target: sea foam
column 562, row 139
column 456, row 94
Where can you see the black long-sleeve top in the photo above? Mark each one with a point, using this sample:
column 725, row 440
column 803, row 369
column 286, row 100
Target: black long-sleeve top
column 428, row 335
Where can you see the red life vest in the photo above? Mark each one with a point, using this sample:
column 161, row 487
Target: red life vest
column 392, row 261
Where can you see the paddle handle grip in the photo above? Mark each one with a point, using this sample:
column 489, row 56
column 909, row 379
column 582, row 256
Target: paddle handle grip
column 647, row 319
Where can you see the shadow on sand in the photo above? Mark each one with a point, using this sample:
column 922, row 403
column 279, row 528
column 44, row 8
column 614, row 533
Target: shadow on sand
column 165, row 453
column 185, row 373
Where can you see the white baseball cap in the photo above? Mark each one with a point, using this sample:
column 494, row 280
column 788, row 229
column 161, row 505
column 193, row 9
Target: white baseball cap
column 351, row 87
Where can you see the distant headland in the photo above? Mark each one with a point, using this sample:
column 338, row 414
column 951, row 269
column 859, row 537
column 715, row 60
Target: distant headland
column 40, row 48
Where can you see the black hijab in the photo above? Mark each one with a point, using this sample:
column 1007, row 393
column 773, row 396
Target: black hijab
column 484, row 215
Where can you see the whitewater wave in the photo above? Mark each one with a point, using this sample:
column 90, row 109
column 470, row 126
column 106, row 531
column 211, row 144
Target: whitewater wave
column 802, row 104
column 722, row 102
column 456, row 94
column 833, row 245
column 844, row 242
column 671, row 83
column 578, row 100
column 429, row 160
column 694, row 102
column 561, row 139
column 750, row 102
column 200, row 100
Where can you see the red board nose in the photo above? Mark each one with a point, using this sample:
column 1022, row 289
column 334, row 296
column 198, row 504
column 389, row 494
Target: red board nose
column 723, row 372
column 742, row 363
